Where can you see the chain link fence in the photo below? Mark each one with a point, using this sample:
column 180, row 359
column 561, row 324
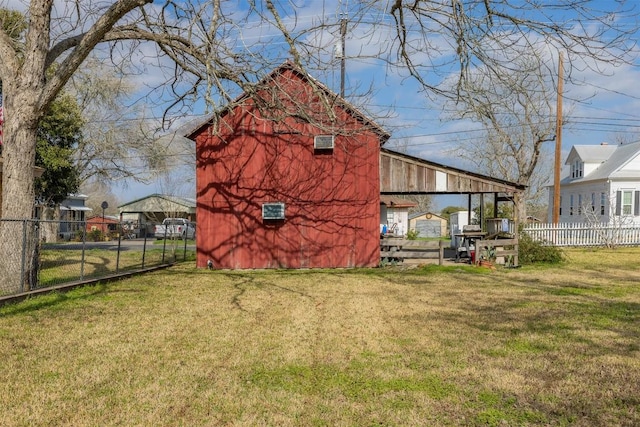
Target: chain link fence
column 39, row 254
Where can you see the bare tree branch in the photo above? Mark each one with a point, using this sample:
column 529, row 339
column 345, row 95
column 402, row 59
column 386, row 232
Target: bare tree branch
column 81, row 49
column 517, row 113
column 479, row 34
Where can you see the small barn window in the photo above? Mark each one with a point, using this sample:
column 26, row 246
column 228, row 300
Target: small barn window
column 323, row 142
column 272, row 211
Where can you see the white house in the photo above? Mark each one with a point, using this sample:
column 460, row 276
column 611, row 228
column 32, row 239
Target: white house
column 601, row 183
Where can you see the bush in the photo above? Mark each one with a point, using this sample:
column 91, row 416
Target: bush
column 95, row 235
column 412, row 234
column 532, row 251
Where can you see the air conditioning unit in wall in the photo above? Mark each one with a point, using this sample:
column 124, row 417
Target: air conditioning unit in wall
column 272, row 211
column 323, row 142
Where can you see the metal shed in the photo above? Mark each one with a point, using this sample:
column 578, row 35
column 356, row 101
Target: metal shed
column 428, row 224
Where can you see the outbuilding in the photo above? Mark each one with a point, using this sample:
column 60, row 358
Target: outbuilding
column 288, row 178
column 394, row 215
column 105, row 224
column 144, row 213
column 428, row 224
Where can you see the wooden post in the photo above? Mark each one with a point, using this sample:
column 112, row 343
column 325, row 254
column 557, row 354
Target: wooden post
column 481, row 220
column 343, row 34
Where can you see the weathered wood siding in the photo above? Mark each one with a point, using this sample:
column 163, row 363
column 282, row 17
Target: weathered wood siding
column 400, row 174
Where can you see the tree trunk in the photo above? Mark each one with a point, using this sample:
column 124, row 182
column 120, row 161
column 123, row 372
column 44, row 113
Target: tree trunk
column 520, row 207
column 16, row 233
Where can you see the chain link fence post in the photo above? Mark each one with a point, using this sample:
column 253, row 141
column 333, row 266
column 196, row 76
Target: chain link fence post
column 34, row 270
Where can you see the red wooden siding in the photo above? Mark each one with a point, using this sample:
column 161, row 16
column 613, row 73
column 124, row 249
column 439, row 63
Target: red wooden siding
column 331, row 196
column 98, row 223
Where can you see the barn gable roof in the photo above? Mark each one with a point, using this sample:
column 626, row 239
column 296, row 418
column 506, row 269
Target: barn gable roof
column 305, row 77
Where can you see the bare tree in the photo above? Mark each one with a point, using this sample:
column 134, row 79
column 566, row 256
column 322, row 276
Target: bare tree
column 493, row 60
column 118, row 141
column 99, row 192
column 424, row 202
column 609, row 226
column 517, row 111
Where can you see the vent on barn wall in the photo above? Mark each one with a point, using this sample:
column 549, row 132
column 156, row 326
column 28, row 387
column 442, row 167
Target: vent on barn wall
column 323, row 142
column 272, row 211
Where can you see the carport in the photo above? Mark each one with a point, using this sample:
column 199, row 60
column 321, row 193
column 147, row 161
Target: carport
column 402, row 174
column 144, row 213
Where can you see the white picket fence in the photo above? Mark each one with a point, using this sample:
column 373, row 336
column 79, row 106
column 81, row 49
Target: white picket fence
column 584, row 234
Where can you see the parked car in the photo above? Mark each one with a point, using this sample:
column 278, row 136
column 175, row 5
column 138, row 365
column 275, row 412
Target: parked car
column 175, row 228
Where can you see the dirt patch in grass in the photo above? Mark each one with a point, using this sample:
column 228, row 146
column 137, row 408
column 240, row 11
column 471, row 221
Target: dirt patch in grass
column 426, row 346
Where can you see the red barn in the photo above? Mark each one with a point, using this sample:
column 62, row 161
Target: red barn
column 288, row 178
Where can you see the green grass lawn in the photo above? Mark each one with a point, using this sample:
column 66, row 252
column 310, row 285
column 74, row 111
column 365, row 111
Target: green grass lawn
column 59, row 266
column 433, row 346
column 179, row 243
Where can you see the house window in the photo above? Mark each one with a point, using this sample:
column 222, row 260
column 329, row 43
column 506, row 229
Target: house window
column 627, row 202
column 571, row 204
column 593, row 202
column 603, row 203
column 576, row 169
column 579, row 204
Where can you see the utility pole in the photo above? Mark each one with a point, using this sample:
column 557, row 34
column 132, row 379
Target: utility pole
column 558, row 154
column 343, row 44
